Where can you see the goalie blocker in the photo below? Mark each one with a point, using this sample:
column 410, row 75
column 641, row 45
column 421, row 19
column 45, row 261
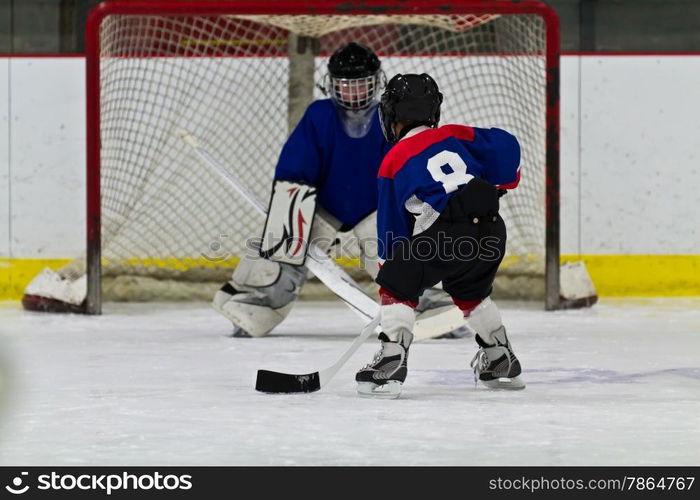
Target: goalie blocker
column 288, row 225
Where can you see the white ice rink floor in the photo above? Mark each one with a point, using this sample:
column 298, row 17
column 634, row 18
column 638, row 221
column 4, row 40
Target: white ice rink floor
column 618, row 384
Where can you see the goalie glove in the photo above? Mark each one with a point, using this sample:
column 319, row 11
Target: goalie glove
column 289, row 220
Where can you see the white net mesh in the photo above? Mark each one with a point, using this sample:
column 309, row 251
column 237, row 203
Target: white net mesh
column 226, row 79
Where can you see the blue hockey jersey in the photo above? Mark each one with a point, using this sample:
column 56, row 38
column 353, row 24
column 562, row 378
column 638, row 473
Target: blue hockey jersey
column 344, row 169
column 423, row 170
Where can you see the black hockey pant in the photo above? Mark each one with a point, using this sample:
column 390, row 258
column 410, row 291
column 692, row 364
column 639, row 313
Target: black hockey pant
column 462, row 248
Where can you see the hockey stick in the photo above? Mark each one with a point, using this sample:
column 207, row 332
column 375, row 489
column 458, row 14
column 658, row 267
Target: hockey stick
column 276, row 382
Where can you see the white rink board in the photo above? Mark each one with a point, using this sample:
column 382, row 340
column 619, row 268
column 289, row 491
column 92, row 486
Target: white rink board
column 4, row 160
column 570, row 159
column 640, row 159
column 47, row 137
column 618, row 384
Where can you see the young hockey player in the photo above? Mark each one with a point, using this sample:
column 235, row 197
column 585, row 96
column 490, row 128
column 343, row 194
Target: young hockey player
column 328, row 164
column 438, row 220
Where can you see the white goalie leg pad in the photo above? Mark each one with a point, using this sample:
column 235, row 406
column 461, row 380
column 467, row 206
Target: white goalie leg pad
column 260, row 294
column 289, row 220
column 439, row 316
column 485, row 319
column 257, row 320
column 324, row 232
column 396, row 318
column 251, row 274
column 436, row 322
column 255, row 272
column 365, row 238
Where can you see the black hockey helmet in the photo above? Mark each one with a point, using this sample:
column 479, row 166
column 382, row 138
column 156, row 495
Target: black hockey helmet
column 354, row 75
column 412, row 100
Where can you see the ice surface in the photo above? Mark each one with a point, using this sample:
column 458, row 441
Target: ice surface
column 145, row 384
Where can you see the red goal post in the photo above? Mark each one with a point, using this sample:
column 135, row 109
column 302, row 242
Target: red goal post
column 177, row 29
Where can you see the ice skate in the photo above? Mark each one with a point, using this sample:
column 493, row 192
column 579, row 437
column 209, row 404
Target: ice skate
column 495, row 364
column 384, row 376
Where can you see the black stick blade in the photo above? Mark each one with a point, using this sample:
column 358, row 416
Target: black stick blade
column 275, row 382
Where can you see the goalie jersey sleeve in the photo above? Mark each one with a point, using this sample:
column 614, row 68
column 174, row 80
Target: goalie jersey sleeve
column 423, row 170
column 343, row 169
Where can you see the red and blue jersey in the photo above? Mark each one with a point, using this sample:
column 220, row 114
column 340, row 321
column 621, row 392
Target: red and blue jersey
column 425, row 168
column 343, row 168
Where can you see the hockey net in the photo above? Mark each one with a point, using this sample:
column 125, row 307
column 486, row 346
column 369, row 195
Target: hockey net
column 239, row 80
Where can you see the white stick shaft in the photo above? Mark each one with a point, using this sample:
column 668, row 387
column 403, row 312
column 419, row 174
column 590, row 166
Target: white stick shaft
column 235, row 183
column 325, row 375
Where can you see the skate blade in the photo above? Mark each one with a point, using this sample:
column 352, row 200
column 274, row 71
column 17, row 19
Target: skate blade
column 512, row 384
column 390, row 390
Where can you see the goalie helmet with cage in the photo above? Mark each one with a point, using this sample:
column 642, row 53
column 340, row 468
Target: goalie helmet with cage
column 354, row 77
column 411, row 100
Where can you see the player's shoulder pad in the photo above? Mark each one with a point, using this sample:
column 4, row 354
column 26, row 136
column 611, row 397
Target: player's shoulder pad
column 496, row 136
column 461, row 132
column 409, row 147
column 498, row 148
